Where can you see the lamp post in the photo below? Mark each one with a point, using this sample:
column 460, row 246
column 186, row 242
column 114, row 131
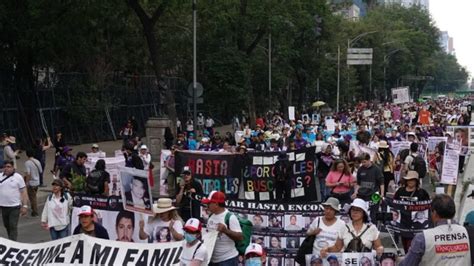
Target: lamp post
column 194, row 65
column 349, row 44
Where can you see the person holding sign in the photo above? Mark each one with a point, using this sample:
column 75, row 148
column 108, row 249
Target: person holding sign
column 327, row 227
column 165, row 226
column 358, row 235
column 194, row 252
column 445, row 244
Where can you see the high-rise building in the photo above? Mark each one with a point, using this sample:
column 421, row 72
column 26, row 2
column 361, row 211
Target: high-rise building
column 444, row 41
column 350, row 9
column 451, row 46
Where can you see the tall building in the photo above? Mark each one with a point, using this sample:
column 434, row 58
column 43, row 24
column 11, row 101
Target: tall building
column 350, row 9
column 444, row 41
column 451, row 46
column 408, row 3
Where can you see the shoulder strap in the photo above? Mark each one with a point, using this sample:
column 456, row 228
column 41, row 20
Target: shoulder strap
column 199, row 245
column 319, row 221
column 5, row 179
column 368, row 226
column 227, row 218
column 339, row 180
column 348, row 229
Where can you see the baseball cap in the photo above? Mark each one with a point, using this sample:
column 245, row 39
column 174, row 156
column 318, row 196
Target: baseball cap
column 193, row 225
column 143, row 147
column 95, row 145
column 254, row 248
column 86, row 210
column 186, row 169
column 214, row 197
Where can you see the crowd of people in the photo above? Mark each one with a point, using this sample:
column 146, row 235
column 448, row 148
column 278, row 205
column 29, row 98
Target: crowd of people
column 345, row 177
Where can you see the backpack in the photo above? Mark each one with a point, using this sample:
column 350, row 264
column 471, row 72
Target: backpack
column 93, row 182
column 65, row 196
column 356, row 245
column 419, row 165
column 403, row 154
column 306, row 247
column 246, row 227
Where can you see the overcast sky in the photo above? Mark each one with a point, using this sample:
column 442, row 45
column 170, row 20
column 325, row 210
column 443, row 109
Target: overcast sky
column 457, row 17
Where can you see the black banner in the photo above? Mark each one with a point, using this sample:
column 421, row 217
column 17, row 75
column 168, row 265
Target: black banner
column 409, row 217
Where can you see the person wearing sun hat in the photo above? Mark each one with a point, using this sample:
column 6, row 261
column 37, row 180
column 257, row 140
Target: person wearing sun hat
column 327, row 227
column 360, row 227
column 225, row 252
column 194, row 252
column 165, row 226
column 255, row 255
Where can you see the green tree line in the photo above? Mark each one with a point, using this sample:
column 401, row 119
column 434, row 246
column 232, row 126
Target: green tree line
column 155, row 37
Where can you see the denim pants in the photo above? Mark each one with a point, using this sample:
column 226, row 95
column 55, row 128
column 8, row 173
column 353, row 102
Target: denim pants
column 58, row 234
column 230, row 262
column 10, row 216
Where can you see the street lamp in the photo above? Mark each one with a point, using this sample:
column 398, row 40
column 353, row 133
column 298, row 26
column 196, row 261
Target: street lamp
column 385, row 64
column 349, row 44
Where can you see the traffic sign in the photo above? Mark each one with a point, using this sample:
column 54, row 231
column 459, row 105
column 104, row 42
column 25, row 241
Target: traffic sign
column 199, row 89
column 359, row 56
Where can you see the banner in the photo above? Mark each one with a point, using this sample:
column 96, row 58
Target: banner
column 214, row 170
column 400, row 95
column 336, row 259
column 259, row 175
column 398, row 146
column 409, row 215
column 461, row 135
column 358, row 149
column 450, row 169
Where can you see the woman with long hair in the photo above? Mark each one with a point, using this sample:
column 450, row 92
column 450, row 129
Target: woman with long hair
column 166, row 216
column 340, row 181
column 386, row 161
column 57, row 211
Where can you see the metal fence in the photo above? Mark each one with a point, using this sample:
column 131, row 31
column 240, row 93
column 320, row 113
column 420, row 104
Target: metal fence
column 85, row 108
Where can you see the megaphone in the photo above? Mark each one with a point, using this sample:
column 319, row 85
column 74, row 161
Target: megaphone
column 376, row 198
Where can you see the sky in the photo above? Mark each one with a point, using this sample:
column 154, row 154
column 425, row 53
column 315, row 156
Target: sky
column 457, row 17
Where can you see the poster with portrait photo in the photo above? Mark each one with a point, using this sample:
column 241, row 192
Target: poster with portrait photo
column 294, row 222
column 292, row 243
column 136, row 190
column 420, row 219
column 260, row 222
column 276, row 243
column 275, row 261
column 261, row 240
column 275, row 222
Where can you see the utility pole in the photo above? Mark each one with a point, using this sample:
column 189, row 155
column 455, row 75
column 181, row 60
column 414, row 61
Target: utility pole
column 194, row 66
column 270, row 69
column 338, row 75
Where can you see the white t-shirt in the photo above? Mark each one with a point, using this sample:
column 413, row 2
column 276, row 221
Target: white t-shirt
column 225, row 246
column 34, row 169
column 10, row 195
column 367, row 238
column 190, row 253
column 156, row 228
column 209, row 122
column 328, row 235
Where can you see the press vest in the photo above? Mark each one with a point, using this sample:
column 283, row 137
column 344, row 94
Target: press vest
column 446, row 245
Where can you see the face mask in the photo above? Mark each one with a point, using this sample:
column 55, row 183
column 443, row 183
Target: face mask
column 189, row 237
column 256, row 261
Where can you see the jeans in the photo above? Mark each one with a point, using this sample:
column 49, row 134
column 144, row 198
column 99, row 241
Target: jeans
column 229, row 262
column 10, row 216
column 58, row 234
column 32, row 197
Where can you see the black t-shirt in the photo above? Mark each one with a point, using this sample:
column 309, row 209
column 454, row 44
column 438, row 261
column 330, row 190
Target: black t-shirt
column 73, row 168
column 369, row 180
column 406, row 220
column 96, row 181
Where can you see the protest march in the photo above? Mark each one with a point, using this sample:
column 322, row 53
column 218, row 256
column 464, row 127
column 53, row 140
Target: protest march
column 298, row 191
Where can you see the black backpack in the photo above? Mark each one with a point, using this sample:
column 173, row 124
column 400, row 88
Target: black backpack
column 419, row 165
column 356, row 245
column 94, row 182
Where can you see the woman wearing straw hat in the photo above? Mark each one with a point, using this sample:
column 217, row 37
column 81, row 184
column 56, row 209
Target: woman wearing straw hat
column 166, row 216
column 358, row 235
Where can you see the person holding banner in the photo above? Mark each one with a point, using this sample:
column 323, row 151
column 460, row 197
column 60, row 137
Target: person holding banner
column 165, row 226
column 56, row 214
column 411, row 191
column 358, row 235
column 194, row 252
column 445, row 244
column 189, row 207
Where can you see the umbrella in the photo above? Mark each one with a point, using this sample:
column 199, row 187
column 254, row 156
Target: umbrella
column 318, row 104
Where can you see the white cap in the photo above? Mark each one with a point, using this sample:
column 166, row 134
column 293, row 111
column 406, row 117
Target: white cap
column 95, row 145
column 254, row 248
column 193, row 225
column 86, row 210
column 360, row 203
column 143, row 147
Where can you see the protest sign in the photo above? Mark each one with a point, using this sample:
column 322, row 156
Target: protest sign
column 461, row 135
column 330, row 125
column 112, row 166
column 409, row 215
column 433, row 142
column 358, row 148
column 164, row 172
column 398, row 146
column 291, row 113
column 215, row 171
column 450, row 169
column 400, row 95
column 259, row 178
column 136, row 190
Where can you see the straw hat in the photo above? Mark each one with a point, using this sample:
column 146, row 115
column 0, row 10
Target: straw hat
column 163, row 205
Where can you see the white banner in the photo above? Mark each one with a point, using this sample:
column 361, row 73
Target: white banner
column 291, row 113
column 449, row 174
column 164, row 172
column 400, row 95
column 112, row 166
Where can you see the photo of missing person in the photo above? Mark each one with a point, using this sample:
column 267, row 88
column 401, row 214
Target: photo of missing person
column 334, row 259
column 136, row 193
column 259, row 222
column 420, row 219
column 125, row 226
column 294, row 222
column 261, row 240
column 289, row 262
column 395, row 217
column 314, row 260
column 274, row 261
column 292, row 242
column 275, row 221
column 162, row 235
column 275, row 243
